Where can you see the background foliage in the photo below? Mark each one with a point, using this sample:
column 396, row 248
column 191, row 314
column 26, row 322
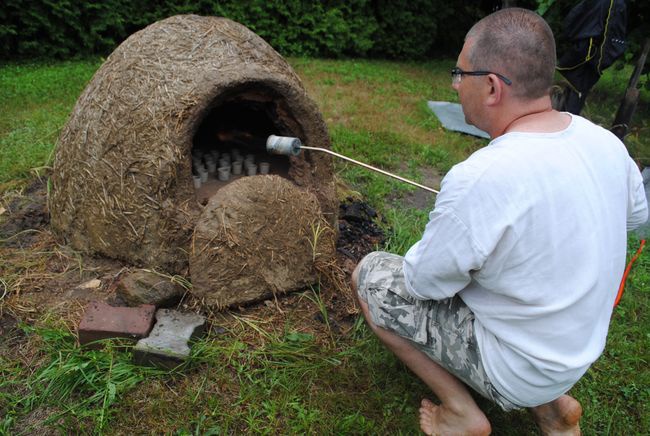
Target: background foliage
column 392, row 29
column 331, row 28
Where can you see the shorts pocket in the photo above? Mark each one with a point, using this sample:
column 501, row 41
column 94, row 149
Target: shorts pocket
column 400, row 315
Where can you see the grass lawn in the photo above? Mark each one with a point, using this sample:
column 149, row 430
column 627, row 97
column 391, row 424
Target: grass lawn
column 276, row 370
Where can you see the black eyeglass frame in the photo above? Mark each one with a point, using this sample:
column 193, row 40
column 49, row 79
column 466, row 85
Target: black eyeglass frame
column 458, row 72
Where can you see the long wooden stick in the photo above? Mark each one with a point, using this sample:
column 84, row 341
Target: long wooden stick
column 370, row 167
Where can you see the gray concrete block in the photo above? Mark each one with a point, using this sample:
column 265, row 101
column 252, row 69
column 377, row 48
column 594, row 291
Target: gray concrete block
column 168, row 342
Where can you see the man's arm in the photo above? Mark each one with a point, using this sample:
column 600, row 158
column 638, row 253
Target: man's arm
column 637, row 205
column 439, row 265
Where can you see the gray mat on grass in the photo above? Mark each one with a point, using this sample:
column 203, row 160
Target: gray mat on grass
column 452, row 118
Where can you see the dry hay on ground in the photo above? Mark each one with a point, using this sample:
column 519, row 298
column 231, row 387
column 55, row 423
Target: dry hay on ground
column 43, row 280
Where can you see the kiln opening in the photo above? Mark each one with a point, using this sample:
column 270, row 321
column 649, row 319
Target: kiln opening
column 230, row 142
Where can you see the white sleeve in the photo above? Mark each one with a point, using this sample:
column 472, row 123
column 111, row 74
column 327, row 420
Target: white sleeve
column 439, row 265
column 637, row 205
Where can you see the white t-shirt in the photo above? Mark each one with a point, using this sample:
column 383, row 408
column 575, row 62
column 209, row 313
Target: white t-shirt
column 530, row 231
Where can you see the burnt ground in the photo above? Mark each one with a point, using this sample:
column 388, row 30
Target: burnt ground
column 359, row 233
column 24, row 216
column 40, row 274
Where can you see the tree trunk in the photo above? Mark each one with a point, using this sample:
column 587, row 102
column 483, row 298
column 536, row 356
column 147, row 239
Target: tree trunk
column 628, row 105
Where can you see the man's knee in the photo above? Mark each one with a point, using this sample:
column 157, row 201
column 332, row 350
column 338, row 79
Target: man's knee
column 359, row 289
column 355, row 278
column 357, row 271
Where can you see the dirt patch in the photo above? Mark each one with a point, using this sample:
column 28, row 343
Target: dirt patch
column 8, row 327
column 25, row 215
column 420, row 198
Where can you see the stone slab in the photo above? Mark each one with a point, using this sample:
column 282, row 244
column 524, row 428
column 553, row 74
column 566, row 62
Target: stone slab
column 145, row 287
column 101, row 321
column 168, row 342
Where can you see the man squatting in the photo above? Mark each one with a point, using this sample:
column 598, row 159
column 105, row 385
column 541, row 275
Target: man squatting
column 510, row 290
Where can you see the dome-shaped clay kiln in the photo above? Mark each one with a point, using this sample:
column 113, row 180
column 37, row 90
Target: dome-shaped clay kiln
column 122, row 183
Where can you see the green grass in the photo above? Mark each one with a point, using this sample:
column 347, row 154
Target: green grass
column 300, row 375
column 36, row 101
column 78, row 386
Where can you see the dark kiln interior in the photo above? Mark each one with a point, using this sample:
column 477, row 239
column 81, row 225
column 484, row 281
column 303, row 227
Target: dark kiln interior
column 236, row 128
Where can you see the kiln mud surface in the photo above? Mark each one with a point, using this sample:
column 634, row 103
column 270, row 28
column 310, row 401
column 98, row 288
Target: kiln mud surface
column 258, row 236
column 122, row 182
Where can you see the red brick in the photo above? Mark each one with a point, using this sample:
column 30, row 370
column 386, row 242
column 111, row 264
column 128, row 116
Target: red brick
column 102, row 321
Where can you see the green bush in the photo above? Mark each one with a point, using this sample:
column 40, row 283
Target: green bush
column 60, row 29
column 331, row 28
column 396, row 29
column 408, row 29
column 299, row 28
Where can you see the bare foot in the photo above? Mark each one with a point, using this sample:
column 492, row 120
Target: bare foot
column 439, row 420
column 559, row 417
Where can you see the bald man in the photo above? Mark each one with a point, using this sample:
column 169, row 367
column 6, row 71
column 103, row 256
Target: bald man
column 511, row 288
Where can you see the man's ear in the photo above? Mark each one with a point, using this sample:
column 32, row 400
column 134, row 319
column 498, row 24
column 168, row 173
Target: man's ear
column 495, row 93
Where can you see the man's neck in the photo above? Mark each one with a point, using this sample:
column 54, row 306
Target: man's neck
column 535, row 116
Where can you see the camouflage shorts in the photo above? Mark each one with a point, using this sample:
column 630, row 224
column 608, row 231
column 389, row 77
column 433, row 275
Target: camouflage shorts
column 443, row 330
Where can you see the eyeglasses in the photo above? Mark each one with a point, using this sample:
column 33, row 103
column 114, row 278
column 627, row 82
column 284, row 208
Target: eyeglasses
column 457, row 74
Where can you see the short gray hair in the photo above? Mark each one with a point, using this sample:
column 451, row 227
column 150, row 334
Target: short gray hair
column 519, row 44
